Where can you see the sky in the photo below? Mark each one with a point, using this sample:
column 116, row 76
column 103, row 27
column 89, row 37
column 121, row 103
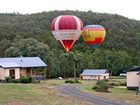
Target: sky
column 127, row 8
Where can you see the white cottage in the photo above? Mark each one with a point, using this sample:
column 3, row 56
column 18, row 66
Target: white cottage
column 94, row 74
column 133, row 78
column 17, row 67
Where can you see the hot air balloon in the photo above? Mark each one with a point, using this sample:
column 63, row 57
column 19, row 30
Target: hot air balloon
column 93, row 35
column 66, row 30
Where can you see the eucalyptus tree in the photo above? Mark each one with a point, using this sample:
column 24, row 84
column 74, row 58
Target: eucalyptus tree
column 64, row 63
column 72, row 61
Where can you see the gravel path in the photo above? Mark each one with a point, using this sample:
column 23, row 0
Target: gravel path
column 75, row 92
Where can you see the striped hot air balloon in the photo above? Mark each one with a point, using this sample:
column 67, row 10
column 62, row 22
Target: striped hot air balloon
column 93, row 35
column 67, row 30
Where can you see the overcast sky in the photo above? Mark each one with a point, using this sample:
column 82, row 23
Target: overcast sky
column 128, row 8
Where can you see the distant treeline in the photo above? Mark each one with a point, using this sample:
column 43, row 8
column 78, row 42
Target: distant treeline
column 30, row 35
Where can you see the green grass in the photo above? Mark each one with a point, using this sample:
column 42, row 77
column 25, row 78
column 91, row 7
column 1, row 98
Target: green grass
column 121, row 90
column 28, row 94
column 45, row 94
column 55, row 82
column 118, row 93
column 115, row 90
column 87, row 85
column 31, row 94
column 119, row 79
column 87, row 88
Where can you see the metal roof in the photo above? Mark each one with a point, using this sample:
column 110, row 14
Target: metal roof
column 94, row 71
column 23, row 62
column 9, row 64
column 133, row 69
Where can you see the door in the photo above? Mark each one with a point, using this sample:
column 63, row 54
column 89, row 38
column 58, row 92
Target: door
column 98, row 77
column 104, row 77
column 12, row 73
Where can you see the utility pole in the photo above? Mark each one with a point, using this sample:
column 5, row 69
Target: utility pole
column 138, row 89
column 139, row 82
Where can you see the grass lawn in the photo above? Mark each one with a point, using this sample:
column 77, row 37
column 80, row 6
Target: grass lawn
column 44, row 93
column 32, row 94
column 119, row 93
column 54, row 82
column 118, row 78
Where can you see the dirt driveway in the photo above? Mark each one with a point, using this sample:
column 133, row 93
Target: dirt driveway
column 73, row 91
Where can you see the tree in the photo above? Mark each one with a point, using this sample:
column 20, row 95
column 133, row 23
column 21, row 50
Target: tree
column 68, row 64
column 4, row 45
column 28, row 47
column 12, row 52
column 72, row 60
column 118, row 61
column 64, row 63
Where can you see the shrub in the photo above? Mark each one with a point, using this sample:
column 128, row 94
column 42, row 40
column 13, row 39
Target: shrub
column 30, row 79
column 95, row 87
column 101, row 86
column 114, row 84
column 69, row 81
column 26, row 80
column 72, row 81
column 15, row 81
column 8, row 79
column 77, row 81
column 117, row 83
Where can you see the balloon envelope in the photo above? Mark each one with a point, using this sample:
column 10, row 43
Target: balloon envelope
column 93, row 35
column 67, row 30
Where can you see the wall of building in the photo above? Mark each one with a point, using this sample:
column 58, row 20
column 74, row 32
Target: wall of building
column 90, row 77
column 1, row 74
column 105, row 76
column 23, row 72
column 86, row 77
column 17, row 73
column 132, row 79
column 6, row 73
column 26, row 72
column 94, row 77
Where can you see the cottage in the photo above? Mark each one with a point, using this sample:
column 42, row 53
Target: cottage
column 96, row 74
column 17, row 67
column 133, row 78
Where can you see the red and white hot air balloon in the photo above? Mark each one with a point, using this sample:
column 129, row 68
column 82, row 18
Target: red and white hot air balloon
column 67, row 30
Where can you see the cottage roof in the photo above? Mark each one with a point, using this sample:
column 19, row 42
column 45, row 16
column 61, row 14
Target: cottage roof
column 23, row 62
column 133, row 69
column 9, row 64
column 94, row 71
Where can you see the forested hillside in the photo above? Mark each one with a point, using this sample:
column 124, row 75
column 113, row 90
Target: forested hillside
column 30, row 35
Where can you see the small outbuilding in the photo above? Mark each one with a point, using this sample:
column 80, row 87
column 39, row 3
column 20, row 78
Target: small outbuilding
column 17, row 67
column 133, row 78
column 94, row 74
